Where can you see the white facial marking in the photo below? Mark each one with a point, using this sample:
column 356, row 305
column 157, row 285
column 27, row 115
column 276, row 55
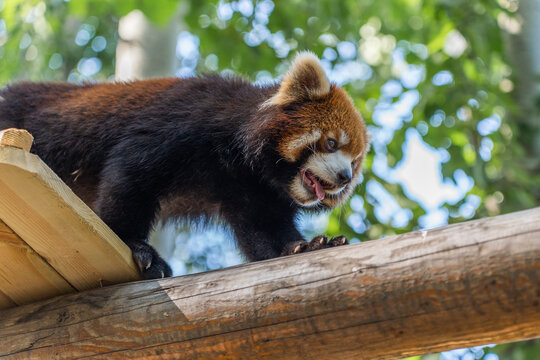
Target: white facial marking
column 344, row 138
column 2, row 99
column 326, row 166
column 303, row 141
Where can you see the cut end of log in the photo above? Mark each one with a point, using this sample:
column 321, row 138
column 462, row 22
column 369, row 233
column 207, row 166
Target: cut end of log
column 16, row 138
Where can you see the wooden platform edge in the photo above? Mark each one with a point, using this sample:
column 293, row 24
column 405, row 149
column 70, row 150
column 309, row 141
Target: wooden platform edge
column 53, row 221
column 25, row 276
column 462, row 285
column 17, row 138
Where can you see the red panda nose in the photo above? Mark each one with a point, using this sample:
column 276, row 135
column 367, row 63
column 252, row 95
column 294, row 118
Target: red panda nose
column 344, row 177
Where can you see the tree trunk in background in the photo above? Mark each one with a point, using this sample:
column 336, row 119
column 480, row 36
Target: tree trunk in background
column 146, row 50
column 524, row 50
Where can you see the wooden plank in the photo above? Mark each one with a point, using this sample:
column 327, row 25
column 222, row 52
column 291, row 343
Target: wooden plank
column 24, row 276
column 54, row 222
column 5, row 301
column 4, row 228
column 462, row 285
column 18, row 138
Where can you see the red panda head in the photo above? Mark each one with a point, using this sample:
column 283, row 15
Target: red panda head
column 318, row 118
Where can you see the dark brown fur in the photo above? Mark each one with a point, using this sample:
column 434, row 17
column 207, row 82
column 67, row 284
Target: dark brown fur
column 194, row 147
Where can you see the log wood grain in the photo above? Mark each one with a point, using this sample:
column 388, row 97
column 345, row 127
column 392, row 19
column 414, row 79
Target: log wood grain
column 461, row 285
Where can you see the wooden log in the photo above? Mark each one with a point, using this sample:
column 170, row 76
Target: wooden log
column 43, row 212
column 461, row 285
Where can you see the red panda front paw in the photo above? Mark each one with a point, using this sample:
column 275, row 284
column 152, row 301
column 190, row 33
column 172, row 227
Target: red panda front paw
column 322, row 242
column 150, row 264
column 318, row 242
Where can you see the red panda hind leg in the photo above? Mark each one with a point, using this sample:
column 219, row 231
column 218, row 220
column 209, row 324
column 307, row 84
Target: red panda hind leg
column 131, row 209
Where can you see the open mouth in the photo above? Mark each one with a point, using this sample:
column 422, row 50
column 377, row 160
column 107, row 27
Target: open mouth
column 316, row 184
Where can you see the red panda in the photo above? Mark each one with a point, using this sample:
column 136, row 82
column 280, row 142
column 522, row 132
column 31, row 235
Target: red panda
column 204, row 147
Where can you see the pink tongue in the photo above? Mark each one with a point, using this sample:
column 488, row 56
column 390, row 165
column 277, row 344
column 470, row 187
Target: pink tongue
column 319, row 190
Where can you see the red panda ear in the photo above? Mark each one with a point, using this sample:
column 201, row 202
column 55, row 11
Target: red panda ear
column 304, row 80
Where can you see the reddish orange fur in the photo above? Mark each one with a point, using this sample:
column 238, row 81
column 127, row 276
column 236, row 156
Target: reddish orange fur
column 330, row 114
column 199, row 148
column 101, row 98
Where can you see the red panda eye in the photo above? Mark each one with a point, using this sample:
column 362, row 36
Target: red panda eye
column 331, row 145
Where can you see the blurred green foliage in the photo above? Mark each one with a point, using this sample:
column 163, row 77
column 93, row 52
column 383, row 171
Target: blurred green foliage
column 53, row 40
